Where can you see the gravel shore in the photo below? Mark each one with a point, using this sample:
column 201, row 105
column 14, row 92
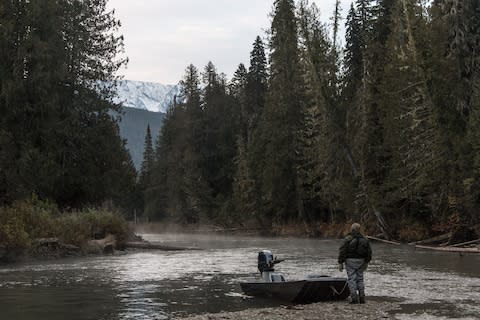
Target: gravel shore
column 316, row 311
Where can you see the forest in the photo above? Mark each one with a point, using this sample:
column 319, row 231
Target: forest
column 63, row 165
column 58, row 139
column 383, row 129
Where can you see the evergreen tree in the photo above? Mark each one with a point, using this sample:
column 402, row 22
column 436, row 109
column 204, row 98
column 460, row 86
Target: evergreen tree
column 58, row 78
column 248, row 161
column 455, row 70
column 163, row 200
column 412, row 134
column 369, row 149
column 238, row 90
column 219, row 151
column 146, row 169
column 148, row 158
column 394, row 139
column 315, row 134
column 256, row 85
column 281, row 116
column 245, row 193
column 353, row 61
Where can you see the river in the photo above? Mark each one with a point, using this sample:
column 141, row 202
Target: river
column 148, row 285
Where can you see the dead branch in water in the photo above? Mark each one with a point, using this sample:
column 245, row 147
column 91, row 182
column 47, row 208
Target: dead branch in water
column 450, row 249
column 465, row 243
column 439, row 238
column 156, row 246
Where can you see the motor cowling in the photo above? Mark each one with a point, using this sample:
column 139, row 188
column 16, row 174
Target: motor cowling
column 265, row 261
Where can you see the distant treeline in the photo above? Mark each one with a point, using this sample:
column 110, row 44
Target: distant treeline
column 58, row 140
column 385, row 130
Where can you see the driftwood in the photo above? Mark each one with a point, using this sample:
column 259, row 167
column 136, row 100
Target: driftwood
column 46, row 241
column 383, row 240
column 465, row 243
column 450, row 249
column 442, row 237
column 156, row 246
column 222, row 230
column 105, row 245
column 53, row 247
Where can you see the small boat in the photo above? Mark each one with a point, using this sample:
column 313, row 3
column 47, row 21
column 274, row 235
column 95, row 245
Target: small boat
column 311, row 289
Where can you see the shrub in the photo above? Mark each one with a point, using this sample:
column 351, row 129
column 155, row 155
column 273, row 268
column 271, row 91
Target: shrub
column 79, row 227
column 24, row 221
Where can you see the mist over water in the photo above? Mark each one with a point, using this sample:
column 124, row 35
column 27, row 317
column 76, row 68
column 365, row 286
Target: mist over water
column 161, row 285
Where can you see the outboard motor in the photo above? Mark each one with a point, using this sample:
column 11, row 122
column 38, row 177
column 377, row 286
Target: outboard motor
column 266, row 266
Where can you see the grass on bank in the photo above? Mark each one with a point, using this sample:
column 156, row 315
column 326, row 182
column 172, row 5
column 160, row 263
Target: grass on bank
column 24, row 221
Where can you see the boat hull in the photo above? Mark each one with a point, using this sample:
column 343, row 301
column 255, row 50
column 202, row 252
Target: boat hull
column 302, row 291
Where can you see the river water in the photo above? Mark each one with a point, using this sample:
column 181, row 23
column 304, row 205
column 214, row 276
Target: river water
column 147, row 285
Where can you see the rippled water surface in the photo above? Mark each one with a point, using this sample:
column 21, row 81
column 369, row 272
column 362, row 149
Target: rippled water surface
column 160, row 285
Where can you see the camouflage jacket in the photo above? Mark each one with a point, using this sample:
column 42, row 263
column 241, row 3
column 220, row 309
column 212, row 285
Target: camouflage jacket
column 355, row 245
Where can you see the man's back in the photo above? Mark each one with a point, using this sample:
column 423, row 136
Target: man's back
column 355, row 246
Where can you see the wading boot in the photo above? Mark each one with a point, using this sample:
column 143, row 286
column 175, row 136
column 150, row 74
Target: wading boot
column 354, row 299
column 361, row 297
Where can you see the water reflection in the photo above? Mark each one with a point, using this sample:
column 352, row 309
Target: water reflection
column 159, row 285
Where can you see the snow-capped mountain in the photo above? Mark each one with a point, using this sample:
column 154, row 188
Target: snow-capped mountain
column 149, row 96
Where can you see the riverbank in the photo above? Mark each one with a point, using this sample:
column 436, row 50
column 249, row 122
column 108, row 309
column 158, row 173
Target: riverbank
column 36, row 230
column 318, row 311
column 405, row 233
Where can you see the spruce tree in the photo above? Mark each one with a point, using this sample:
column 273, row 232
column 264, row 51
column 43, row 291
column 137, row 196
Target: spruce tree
column 58, row 79
column 256, row 96
column 238, row 90
column 147, row 162
column 412, row 134
column 249, row 155
column 315, row 133
column 192, row 193
column 455, row 71
column 256, row 85
column 162, row 199
column 281, row 116
column 221, row 131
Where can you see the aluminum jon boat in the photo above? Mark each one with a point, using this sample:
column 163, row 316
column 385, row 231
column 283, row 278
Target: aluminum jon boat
column 311, row 289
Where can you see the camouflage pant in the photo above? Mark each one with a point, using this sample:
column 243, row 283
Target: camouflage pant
column 355, row 268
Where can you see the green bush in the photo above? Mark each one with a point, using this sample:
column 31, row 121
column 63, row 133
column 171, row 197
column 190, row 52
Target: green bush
column 77, row 228
column 13, row 236
column 24, row 221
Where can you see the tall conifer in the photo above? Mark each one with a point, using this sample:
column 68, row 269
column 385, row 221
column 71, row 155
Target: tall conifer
column 281, row 116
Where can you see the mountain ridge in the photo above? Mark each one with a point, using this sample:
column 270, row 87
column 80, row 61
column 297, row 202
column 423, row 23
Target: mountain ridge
column 143, row 103
column 151, row 96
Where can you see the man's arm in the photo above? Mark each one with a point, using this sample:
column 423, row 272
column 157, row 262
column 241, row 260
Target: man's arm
column 369, row 253
column 342, row 252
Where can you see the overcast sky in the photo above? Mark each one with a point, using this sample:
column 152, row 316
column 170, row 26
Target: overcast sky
column 162, row 37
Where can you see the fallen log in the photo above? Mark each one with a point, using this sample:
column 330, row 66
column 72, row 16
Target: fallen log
column 383, row 240
column 465, row 243
column 156, row 246
column 99, row 246
column 53, row 247
column 450, row 249
column 220, row 230
column 439, row 238
column 46, row 241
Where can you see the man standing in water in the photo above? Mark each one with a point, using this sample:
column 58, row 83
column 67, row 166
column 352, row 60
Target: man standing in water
column 356, row 253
